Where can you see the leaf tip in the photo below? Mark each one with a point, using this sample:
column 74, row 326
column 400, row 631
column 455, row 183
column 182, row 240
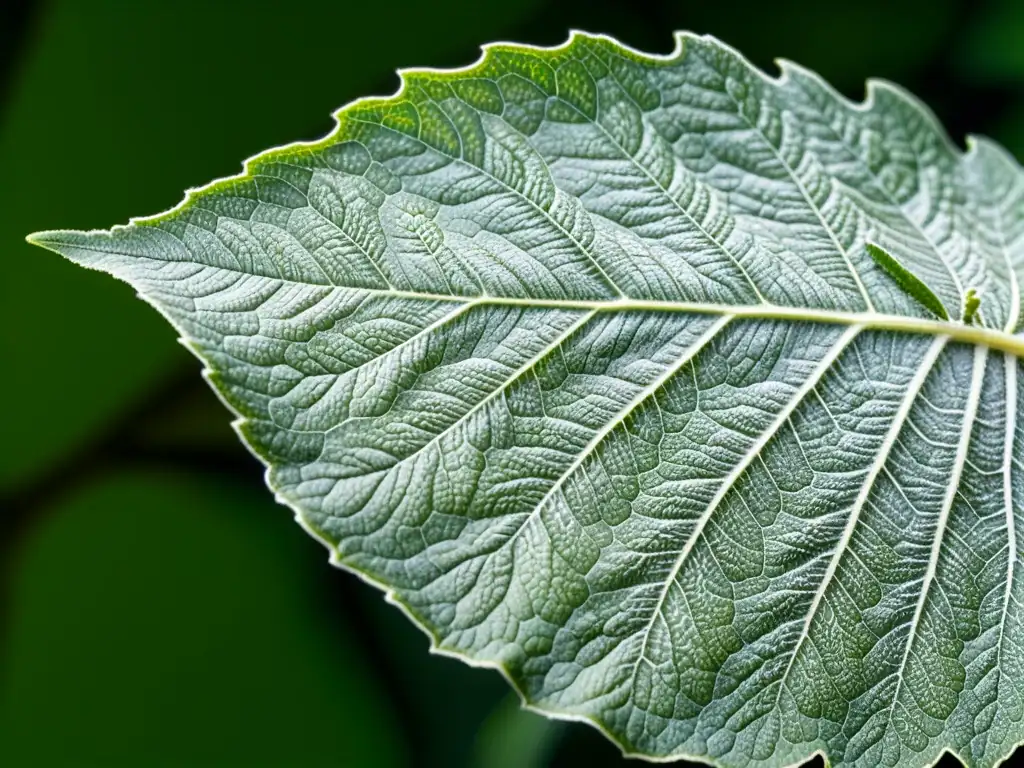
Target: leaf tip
column 38, row 238
column 56, row 240
column 876, row 251
column 87, row 249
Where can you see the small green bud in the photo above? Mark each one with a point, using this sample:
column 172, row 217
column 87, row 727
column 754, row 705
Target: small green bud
column 972, row 301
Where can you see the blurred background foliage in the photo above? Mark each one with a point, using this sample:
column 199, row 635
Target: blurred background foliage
column 156, row 607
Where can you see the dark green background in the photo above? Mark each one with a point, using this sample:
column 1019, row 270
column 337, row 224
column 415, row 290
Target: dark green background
column 157, row 607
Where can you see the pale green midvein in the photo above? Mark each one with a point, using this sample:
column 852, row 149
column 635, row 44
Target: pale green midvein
column 957, row 331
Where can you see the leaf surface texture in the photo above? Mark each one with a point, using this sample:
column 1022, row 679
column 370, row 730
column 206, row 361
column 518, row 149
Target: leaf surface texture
column 580, row 354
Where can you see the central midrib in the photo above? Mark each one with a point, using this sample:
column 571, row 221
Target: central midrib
column 972, row 334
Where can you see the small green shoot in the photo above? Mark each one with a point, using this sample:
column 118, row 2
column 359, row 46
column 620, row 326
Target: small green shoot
column 908, row 281
column 972, row 302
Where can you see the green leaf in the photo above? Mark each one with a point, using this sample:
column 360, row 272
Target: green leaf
column 578, row 354
column 907, row 281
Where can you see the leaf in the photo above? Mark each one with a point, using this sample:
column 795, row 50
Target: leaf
column 579, row 355
column 908, row 281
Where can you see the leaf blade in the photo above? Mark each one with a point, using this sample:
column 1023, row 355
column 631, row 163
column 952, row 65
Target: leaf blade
column 527, row 359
